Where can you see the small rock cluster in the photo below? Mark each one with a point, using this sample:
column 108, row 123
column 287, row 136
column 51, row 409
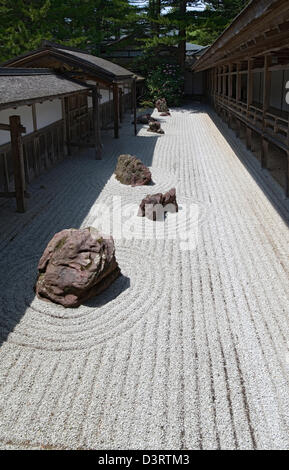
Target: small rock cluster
column 131, row 171
column 76, row 266
column 154, row 206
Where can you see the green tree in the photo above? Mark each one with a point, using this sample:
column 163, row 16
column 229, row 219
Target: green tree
column 22, row 25
column 81, row 23
column 210, row 23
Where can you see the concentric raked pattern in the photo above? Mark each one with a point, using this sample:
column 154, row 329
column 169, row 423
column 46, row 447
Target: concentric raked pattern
column 189, row 347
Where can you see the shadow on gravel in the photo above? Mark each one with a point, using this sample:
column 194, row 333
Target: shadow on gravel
column 119, row 286
column 61, row 198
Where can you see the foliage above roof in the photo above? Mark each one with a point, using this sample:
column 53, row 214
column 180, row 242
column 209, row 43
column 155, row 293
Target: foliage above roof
column 76, row 58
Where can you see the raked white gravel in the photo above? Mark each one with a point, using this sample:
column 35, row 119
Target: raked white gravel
column 188, row 349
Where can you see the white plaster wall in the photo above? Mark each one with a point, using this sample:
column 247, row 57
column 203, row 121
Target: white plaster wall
column 48, row 112
column 105, row 95
column 25, row 113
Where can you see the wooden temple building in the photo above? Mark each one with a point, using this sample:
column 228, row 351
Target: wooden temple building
column 246, row 79
column 53, row 100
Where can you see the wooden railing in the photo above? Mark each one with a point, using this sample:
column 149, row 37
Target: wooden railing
column 45, row 147
column 269, row 123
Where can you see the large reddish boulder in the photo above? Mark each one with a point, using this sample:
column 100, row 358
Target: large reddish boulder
column 155, row 206
column 76, row 266
column 155, row 127
column 130, row 170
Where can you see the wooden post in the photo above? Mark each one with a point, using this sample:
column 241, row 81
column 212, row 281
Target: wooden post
column 230, row 94
column 116, row 110
column 238, row 83
column 96, row 123
column 120, row 105
column 224, row 81
column 266, row 104
column 267, row 85
column 287, row 176
column 249, row 85
column 66, row 123
column 34, row 117
column 134, row 105
column 18, row 162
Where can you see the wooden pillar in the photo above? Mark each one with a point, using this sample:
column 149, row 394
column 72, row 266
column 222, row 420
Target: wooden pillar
column 66, row 124
column 287, row 176
column 18, row 162
column 134, row 105
column 249, row 85
column 224, row 81
column 116, row 110
column 266, row 104
column 238, row 83
column 96, row 123
column 34, row 117
column 120, row 105
column 230, row 79
column 267, row 84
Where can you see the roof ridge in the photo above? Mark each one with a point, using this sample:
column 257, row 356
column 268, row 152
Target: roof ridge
column 26, row 71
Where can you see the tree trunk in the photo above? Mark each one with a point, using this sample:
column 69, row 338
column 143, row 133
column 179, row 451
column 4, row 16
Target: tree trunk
column 182, row 35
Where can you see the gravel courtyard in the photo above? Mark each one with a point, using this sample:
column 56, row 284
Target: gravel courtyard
column 187, row 349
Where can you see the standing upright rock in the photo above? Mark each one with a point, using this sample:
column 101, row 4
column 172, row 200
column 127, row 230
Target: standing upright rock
column 131, row 171
column 161, row 105
column 154, row 206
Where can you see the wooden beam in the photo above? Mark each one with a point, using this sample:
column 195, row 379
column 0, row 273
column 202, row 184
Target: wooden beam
column 66, row 123
column 238, row 83
column 18, row 163
column 6, row 127
column 96, row 123
column 116, row 110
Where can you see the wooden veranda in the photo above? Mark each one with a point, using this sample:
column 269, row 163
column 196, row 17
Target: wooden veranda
column 246, row 71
